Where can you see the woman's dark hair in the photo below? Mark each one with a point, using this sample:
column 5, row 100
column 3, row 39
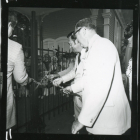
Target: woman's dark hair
column 12, row 17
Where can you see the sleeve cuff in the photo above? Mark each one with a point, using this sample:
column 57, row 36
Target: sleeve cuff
column 60, row 74
column 84, row 121
column 26, row 81
column 77, row 87
column 64, row 79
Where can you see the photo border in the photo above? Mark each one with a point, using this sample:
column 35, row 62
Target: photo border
column 101, row 4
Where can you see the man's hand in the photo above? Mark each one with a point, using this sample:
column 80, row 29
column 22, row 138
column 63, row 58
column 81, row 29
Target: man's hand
column 67, row 90
column 57, row 81
column 30, row 80
column 76, row 126
column 51, row 76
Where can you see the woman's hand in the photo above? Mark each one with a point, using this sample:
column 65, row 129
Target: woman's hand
column 57, row 81
column 30, row 80
column 52, row 76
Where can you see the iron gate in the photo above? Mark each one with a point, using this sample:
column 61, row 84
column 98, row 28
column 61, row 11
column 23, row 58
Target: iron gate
column 34, row 106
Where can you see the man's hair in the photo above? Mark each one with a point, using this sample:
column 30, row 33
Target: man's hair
column 70, row 35
column 12, row 17
column 86, row 22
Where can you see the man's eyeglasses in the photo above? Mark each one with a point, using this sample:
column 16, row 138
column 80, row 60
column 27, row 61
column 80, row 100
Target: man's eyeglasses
column 76, row 31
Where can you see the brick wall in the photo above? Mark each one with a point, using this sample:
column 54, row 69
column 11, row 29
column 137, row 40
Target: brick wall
column 62, row 22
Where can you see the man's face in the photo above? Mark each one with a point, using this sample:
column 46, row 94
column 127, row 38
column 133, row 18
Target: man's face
column 10, row 30
column 76, row 47
column 80, row 35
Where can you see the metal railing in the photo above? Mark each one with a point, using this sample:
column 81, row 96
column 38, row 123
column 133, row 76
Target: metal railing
column 34, row 109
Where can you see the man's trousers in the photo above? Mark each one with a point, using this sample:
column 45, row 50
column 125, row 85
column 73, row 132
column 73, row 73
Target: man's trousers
column 77, row 106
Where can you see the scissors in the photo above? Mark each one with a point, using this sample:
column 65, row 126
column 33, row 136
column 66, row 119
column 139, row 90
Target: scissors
column 71, row 93
column 38, row 83
column 61, row 87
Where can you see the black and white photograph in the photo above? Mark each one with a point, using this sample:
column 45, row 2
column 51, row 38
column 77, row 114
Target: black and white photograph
column 70, row 71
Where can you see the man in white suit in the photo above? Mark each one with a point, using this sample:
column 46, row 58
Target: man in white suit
column 105, row 108
column 76, row 73
column 15, row 67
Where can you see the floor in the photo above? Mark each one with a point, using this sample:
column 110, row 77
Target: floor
column 60, row 124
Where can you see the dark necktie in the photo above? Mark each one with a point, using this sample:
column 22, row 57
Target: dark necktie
column 79, row 58
column 86, row 49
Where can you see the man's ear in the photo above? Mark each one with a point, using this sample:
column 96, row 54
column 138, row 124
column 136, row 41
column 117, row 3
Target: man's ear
column 76, row 41
column 84, row 31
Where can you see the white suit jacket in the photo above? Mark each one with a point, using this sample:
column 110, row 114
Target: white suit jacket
column 16, row 67
column 103, row 112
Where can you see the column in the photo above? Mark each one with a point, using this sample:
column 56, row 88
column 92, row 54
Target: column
column 106, row 15
column 38, row 33
column 94, row 16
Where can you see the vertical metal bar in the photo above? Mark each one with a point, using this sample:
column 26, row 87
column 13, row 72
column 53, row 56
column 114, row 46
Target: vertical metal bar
column 41, row 45
column 28, row 99
column 48, row 96
column 62, row 94
column 69, row 96
column 44, row 105
column 16, row 87
column 57, row 88
column 25, row 113
column 30, row 104
column 66, row 68
column 48, row 103
column 17, row 35
column 30, row 89
column 35, row 113
column 53, row 86
column 53, row 102
column 23, row 45
column 67, row 99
